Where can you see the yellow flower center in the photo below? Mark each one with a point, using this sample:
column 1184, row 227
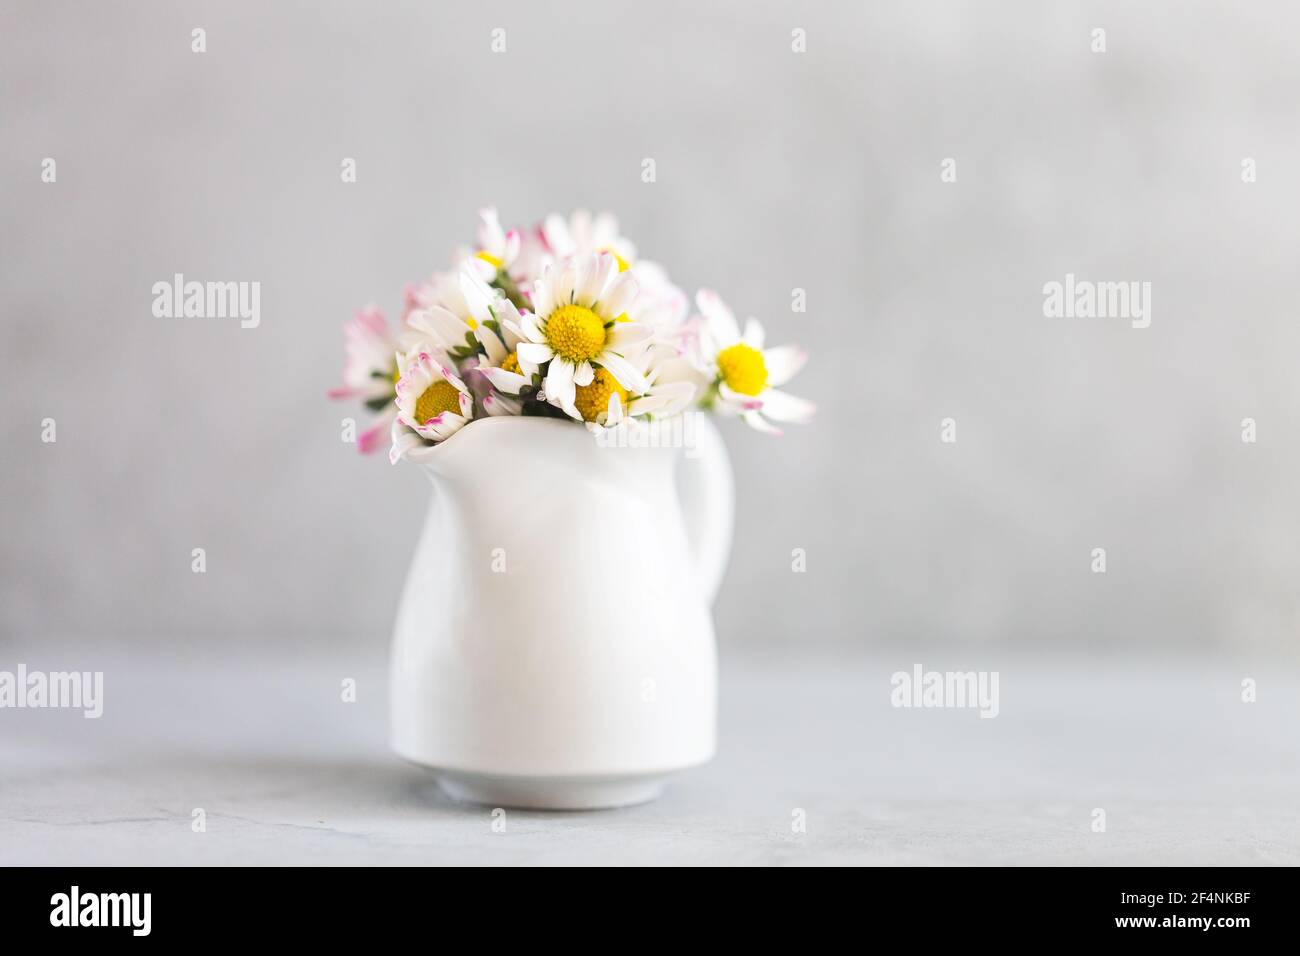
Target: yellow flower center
column 592, row 400
column 437, row 398
column 743, row 369
column 511, row 364
column 575, row 333
column 487, row 257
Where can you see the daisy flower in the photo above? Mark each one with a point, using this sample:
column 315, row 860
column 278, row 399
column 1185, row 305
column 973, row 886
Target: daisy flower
column 509, row 382
column 582, row 234
column 369, row 372
column 368, row 366
column 574, row 330
column 496, row 258
column 744, row 373
column 432, row 404
column 658, row 303
column 497, row 248
column 453, row 306
column 534, row 255
column 604, row 403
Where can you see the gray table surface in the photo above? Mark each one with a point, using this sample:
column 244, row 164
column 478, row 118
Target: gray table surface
column 286, row 772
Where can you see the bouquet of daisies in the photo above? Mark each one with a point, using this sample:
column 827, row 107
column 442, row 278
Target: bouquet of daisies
column 561, row 320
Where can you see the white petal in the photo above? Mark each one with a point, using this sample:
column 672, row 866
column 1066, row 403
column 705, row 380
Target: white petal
column 735, row 401
column 783, row 363
column 496, row 351
column 595, row 276
column 602, row 229
column 618, row 296
column 786, row 408
column 481, row 268
column 543, row 297
column 559, row 382
column 449, row 424
column 403, row 441
column 665, row 401
column 490, row 233
column 721, row 321
column 647, row 404
column 623, row 371
column 506, row 312
column 446, row 329
column 511, row 250
column 580, row 228
column 497, row 404
column 503, row 381
column 556, row 231
column 567, row 282
column 511, row 334
column 753, row 333
column 478, row 295
column 533, row 353
column 584, row 375
column 627, row 334
column 756, row 421
column 531, row 326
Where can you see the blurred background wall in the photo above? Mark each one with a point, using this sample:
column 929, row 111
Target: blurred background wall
column 776, row 170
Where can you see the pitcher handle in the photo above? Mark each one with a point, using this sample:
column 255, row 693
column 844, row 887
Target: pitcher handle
column 708, row 502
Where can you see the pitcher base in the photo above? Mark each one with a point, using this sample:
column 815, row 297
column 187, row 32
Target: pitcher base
column 551, row 793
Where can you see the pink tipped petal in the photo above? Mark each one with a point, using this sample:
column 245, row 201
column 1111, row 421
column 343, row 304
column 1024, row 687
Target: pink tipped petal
column 786, row 408
column 370, row 440
column 371, row 319
column 403, row 441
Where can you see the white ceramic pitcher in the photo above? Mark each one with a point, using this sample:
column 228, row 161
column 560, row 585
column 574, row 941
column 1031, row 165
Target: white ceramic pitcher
column 554, row 647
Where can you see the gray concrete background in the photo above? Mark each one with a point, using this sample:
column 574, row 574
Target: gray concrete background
column 775, row 170
column 287, row 774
